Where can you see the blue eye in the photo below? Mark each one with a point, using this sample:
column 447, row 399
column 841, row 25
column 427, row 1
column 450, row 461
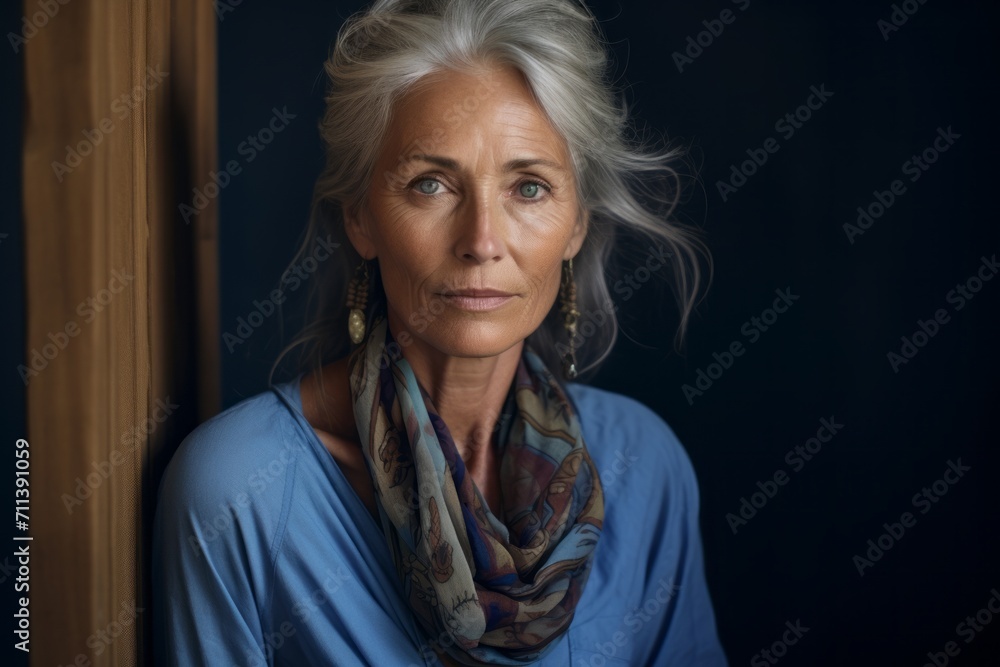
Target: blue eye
column 529, row 190
column 428, row 186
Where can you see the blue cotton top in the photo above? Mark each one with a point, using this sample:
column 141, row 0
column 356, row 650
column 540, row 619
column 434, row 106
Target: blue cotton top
column 263, row 553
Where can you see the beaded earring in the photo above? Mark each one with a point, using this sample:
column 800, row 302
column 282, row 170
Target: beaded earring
column 567, row 295
column 357, row 301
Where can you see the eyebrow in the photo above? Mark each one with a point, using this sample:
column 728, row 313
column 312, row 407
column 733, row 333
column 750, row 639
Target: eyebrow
column 524, row 163
column 511, row 165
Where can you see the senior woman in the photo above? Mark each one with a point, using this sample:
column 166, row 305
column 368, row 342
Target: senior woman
column 439, row 495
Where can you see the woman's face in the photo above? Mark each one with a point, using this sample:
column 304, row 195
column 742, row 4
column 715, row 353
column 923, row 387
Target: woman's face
column 474, row 190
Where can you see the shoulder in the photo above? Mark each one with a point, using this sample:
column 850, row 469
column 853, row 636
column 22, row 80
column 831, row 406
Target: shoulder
column 629, row 441
column 601, row 409
column 237, row 463
column 221, row 513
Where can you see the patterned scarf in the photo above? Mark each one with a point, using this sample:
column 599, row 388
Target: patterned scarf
column 488, row 590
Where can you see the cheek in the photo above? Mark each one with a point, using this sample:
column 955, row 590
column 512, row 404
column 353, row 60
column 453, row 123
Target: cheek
column 540, row 258
column 402, row 280
column 546, row 228
column 549, row 220
column 406, row 254
column 543, row 281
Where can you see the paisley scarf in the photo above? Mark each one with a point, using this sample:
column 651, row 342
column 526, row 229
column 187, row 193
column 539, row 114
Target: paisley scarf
column 485, row 589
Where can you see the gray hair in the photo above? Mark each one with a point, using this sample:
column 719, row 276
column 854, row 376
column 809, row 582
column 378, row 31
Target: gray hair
column 383, row 52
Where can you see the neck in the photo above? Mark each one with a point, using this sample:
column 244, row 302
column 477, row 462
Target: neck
column 468, row 392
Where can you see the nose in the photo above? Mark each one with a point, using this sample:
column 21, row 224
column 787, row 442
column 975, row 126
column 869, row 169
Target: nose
column 480, row 227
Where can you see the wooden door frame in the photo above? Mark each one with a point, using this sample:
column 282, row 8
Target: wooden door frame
column 122, row 354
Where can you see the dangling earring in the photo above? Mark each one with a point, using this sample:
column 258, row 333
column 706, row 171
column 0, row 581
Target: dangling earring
column 357, row 301
column 567, row 294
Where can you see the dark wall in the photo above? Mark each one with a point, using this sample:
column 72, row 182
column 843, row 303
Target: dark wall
column 896, row 425
column 270, row 61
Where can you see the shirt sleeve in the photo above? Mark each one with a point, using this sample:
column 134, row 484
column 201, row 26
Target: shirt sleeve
column 675, row 570
column 210, row 552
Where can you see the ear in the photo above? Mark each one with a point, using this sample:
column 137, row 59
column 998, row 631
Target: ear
column 579, row 234
column 358, row 231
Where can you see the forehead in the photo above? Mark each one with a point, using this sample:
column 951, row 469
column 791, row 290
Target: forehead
column 452, row 109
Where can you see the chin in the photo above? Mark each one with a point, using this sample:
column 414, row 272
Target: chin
column 473, row 339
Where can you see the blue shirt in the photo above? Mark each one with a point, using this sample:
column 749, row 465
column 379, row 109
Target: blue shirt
column 265, row 555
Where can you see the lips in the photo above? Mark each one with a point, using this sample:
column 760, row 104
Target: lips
column 477, row 293
column 477, row 300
